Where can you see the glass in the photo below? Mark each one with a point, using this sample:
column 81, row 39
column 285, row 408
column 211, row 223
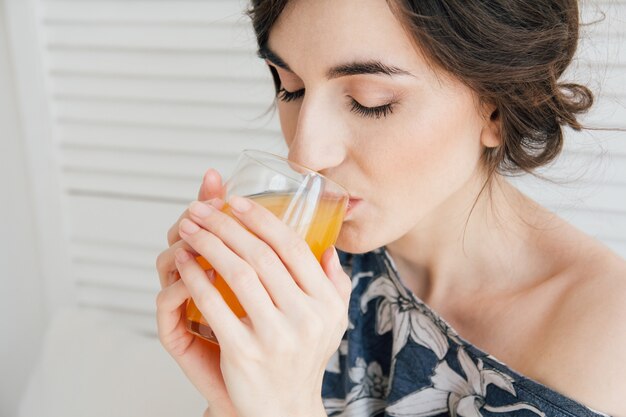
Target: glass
column 305, row 200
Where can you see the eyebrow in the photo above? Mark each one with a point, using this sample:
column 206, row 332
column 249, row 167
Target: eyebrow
column 371, row 66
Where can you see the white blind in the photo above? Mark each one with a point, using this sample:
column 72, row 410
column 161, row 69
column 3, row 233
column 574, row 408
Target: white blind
column 146, row 95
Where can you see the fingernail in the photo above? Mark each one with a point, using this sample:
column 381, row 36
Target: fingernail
column 239, row 204
column 215, row 202
column 188, row 227
column 200, row 209
column 181, row 255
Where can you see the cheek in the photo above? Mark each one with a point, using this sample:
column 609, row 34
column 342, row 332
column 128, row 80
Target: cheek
column 423, row 159
column 447, row 148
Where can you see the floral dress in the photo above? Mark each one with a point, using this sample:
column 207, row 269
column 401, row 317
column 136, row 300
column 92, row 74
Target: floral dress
column 399, row 358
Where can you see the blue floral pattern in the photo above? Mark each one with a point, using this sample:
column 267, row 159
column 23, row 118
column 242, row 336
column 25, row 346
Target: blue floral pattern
column 399, row 358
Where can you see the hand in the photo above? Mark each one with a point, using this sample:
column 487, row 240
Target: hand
column 198, row 358
column 273, row 360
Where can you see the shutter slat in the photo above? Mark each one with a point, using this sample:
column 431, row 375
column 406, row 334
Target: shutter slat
column 144, row 11
column 602, row 43
column 124, row 137
column 116, row 253
column 597, row 142
column 573, row 166
column 604, row 226
column 604, row 81
column 150, row 64
column 599, row 47
column 599, row 197
column 219, row 116
column 606, row 113
column 132, row 187
column 138, row 279
column 131, row 222
column 155, row 37
column 139, row 163
column 603, row 17
column 141, row 323
column 117, row 299
column 619, row 246
column 165, row 90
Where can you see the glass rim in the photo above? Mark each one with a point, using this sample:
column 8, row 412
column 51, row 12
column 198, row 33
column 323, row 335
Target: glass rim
column 251, row 152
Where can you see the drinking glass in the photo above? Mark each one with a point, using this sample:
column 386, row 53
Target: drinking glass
column 305, row 200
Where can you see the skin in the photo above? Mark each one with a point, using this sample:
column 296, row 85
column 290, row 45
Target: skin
column 512, row 278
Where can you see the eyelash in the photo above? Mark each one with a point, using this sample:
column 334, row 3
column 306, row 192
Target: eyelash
column 288, row 96
column 373, row 112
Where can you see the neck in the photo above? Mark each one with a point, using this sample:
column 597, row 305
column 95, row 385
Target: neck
column 450, row 254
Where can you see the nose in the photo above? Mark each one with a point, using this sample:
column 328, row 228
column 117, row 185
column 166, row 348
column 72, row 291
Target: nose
column 319, row 142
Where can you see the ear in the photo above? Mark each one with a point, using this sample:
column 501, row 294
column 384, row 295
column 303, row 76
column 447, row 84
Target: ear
column 492, row 127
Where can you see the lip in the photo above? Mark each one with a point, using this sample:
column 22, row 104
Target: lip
column 352, row 204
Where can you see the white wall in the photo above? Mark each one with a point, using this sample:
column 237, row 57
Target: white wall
column 22, row 319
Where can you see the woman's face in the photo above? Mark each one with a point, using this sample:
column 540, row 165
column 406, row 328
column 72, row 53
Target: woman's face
column 402, row 137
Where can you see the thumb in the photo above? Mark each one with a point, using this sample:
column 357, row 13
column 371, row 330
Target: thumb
column 336, row 274
column 211, row 186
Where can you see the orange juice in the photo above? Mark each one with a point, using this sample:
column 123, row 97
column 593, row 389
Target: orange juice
column 320, row 226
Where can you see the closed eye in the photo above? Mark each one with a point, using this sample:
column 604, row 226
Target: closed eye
column 356, row 107
column 373, row 112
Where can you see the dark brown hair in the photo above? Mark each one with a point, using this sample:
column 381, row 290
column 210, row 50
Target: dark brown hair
column 510, row 52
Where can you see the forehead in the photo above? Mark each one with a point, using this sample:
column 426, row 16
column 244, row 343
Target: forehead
column 312, row 35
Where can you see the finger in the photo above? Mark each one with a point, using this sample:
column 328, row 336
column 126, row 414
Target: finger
column 224, row 323
column 186, row 348
column 211, row 186
column 238, row 274
column 274, row 276
column 172, row 233
column 336, row 275
column 169, row 302
column 241, row 278
column 207, row 374
column 292, row 249
column 166, row 266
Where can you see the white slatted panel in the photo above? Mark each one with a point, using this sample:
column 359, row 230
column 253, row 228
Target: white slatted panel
column 147, row 94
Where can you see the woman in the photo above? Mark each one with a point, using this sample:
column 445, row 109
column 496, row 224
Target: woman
column 420, row 108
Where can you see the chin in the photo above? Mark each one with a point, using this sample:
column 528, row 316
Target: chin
column 353, row 239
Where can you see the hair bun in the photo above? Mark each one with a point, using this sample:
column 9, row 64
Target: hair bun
column 572, row 100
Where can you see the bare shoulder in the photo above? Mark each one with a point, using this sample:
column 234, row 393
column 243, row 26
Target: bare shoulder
column 584, row 350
